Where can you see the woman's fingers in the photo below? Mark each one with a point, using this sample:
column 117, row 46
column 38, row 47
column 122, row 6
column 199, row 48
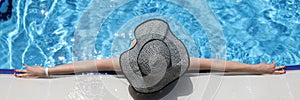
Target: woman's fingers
column 26, row 65
column 279, row 72
column 273, row 62
column 21, row 75
column 22, row 71
column 24, row 75
column 280, row 67
column 30, row 72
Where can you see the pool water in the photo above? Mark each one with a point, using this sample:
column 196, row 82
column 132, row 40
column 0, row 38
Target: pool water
column 43, row 32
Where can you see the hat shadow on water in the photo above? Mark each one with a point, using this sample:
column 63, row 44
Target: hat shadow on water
column 180, row 87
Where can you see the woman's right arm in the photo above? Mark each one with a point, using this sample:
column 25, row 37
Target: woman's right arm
column 231, row 66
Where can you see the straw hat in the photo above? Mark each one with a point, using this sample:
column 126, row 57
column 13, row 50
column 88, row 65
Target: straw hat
column 157, row 59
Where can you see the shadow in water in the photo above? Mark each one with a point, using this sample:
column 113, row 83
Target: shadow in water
column 181, row 87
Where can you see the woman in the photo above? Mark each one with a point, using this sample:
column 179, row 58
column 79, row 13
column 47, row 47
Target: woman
column 111, row 64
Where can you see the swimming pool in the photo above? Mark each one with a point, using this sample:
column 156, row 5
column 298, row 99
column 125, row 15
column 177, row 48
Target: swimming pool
column 50, row 33
column 43, row 32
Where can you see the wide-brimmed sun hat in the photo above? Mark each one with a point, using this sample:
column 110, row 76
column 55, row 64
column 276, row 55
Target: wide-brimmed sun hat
column 157, row 59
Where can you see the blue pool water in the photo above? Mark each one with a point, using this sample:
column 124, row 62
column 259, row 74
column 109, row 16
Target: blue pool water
column 42, row 32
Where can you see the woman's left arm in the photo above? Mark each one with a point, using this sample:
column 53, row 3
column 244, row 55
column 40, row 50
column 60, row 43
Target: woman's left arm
column 108, row 64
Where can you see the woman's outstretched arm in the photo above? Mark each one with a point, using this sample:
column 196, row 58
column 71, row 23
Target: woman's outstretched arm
column 230, row 66
column 112, row 64
column 109, row 64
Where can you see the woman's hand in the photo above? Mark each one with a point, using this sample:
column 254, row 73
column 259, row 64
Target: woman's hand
column 264, row 68
column 31, row 72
